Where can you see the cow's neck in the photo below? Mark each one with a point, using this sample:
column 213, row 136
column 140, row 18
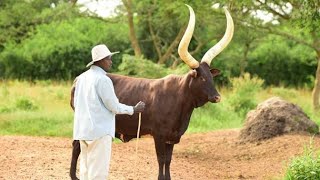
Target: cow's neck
column 187, row 101
column 192, row 98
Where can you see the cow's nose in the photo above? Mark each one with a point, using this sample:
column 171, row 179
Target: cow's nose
column 215, row 99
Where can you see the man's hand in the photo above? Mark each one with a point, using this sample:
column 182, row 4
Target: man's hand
column 139, row 107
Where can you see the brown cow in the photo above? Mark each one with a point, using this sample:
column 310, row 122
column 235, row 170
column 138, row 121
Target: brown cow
column 169, row 100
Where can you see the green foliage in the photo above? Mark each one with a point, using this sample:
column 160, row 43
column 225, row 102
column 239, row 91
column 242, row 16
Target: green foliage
column 245, row 89
column 36, row 109
column 305, row 167
column 38, row 124
column 24, row 103
column 181, row 69
column 54, row 116
column 20, row 17
column 6, row 109
column 20, row 104
column 60, row 50
column 285, row 93
column 213, row 117
column 167, row 20
column 54, row 42
column 308, row 15
column 140, row 67
column 281, row 62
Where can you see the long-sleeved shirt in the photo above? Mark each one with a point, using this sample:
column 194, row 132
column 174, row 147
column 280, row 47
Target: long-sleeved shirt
column 96, row 105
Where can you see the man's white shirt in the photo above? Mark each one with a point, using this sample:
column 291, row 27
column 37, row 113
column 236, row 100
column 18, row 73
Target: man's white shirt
column 96, row 105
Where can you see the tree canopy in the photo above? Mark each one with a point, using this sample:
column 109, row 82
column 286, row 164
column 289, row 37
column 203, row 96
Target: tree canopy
column 52, row 39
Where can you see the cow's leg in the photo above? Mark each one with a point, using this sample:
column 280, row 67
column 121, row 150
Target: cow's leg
column 74, row 158
column 160, row 150
column 168, row 151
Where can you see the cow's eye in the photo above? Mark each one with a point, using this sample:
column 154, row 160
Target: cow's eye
column 202, row 79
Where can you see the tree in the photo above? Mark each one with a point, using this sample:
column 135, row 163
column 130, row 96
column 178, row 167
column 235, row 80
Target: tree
column 296, row 20
column 57, row 42
column 19, row 18
column 132, row 34
column 158, row 28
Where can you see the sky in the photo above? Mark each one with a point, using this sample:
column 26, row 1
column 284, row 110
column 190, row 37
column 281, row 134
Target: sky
column 103, row 8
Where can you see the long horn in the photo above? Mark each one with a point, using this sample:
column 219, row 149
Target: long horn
column 216, row 49
column 184, row 43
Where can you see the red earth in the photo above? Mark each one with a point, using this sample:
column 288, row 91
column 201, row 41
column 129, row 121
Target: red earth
column 212, row 155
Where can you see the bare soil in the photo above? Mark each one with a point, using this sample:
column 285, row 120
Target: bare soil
column 213, row 155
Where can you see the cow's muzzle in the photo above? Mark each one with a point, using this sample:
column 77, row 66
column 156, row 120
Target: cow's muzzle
column 214, row 99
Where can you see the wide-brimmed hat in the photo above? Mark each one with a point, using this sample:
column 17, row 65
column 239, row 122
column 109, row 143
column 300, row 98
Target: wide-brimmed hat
column 99, row 52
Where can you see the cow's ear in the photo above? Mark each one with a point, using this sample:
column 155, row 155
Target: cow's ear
column 193, row 73
column 215, row 72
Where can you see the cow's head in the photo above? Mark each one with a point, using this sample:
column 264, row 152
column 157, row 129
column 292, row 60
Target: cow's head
column 202, row 76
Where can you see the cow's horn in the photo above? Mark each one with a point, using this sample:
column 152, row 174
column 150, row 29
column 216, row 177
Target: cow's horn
column 216, row 49
column 184, row 43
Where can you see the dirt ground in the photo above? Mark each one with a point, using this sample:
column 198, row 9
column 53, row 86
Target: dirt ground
column 213, row 155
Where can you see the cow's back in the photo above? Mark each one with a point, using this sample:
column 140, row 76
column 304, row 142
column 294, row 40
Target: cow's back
column 130, row 91
column 165, row 105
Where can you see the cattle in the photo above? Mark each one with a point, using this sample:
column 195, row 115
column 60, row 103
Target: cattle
column 169, row 101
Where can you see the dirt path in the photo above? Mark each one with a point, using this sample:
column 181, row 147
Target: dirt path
column 214, row 155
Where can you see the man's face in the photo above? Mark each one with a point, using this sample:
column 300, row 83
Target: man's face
column 106, row 63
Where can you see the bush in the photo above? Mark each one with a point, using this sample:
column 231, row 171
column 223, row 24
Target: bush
column 285, row 93
column 244, row 91
column 282, row 62
column 61, row 50
column 213, row 116
column 140, row 67
column 305, row 167
column 6, row 109
column 26, row 104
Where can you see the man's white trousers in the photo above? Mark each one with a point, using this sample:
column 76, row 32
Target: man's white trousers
column 95, row 158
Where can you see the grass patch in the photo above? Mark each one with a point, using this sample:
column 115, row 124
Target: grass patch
column 26, row 104
column 214, row 116
column 35, row 109
column 305, row 167
column 37, row 124
column 42, row 108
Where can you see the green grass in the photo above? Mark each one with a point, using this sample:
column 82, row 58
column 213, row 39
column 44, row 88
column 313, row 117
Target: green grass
column 42, row 108
column 37, row 124
column 213, row 117
column 304, row 167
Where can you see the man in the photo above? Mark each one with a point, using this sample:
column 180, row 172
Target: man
column 95, row 106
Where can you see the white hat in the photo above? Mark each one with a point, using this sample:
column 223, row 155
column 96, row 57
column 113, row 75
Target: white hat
column 99, row 52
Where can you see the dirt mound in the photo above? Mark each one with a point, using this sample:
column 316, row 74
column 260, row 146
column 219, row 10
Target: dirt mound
column 275, row 117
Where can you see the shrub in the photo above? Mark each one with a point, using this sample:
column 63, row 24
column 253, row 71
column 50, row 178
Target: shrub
column 6, row 109
column 60, row 95
column 285, row 93
column 243, row 94
column 26, row 104
column 60, row 50
column 305, row 167
column 282, row 62
column 214, row 116
column 140, row 67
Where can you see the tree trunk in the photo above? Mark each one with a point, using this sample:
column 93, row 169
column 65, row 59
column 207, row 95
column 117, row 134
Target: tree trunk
column 244, row 61
column 132, row 34
column 155, row 39
column 73, row 2
column 172, row 46
column 316, row 89
column 175, row 62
